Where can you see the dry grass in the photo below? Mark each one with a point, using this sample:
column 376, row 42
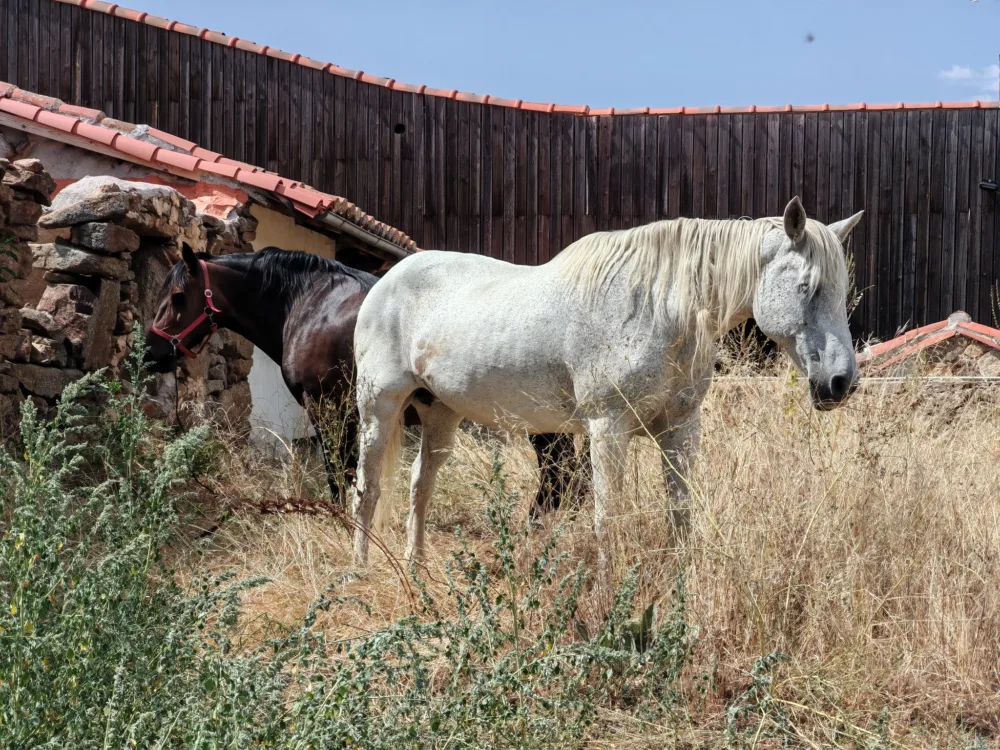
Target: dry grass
column 864, row 543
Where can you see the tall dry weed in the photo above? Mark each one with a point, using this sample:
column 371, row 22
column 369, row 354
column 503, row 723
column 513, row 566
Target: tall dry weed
column 864, row 544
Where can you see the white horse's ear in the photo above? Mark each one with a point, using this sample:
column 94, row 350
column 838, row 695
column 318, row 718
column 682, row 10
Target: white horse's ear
column 795, row 220
column 843, row 228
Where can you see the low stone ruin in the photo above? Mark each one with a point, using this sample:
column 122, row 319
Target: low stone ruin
column 956, row 347
column 103, row 249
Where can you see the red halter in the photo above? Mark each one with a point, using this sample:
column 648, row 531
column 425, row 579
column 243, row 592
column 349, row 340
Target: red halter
column 177, row 340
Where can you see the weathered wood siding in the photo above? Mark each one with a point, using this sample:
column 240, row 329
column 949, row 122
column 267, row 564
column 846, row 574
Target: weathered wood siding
column 521, row 185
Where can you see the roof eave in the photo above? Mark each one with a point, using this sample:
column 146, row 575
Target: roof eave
column 331, row 220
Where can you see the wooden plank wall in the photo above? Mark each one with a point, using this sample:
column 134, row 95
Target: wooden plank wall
column 521, row 185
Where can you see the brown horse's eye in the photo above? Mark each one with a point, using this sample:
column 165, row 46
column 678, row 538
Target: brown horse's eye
column 177, row 299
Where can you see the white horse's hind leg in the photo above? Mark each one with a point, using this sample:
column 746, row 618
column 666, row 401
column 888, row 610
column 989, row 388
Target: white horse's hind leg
column 608, row 450
column 678, row 442
column 379, row 416
column 439, row 424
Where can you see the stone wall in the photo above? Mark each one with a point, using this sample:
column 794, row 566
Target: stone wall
column 104, row 248
column 25, row 188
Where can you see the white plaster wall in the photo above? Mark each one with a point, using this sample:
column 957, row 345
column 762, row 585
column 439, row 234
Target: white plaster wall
column 274, row 410
column 274, row 413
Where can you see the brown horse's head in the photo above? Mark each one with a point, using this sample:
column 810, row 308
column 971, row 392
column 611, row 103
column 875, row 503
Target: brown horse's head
column 186, row 315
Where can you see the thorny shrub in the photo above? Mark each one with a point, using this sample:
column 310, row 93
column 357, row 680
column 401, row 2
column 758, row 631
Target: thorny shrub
column 102, row 647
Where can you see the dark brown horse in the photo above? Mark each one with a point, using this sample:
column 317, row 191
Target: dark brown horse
column 300, row 310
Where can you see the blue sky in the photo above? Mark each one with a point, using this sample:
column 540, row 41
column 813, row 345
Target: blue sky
column 634, row 53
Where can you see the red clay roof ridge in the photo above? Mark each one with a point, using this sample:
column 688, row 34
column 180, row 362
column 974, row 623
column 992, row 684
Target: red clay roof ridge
column 959, row 323
column 391, row 83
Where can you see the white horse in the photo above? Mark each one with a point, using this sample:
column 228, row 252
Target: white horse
column 613, row 337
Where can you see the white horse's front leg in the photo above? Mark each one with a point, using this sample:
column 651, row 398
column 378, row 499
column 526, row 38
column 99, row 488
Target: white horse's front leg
column 608, row 451
column 678, row 440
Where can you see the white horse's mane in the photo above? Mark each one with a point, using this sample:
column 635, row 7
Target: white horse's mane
column 707, row 269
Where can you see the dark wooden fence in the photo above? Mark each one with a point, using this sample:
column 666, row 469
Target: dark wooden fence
column 520, row 185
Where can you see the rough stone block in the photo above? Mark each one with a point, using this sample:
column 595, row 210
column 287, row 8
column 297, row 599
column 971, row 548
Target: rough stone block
column 104, row 206
column 61, row 298
column 123, row 324
column 39, row 185
column 51, row 235
column 239, row 369
column 9, row 408
column 8, row 383
column 25, row 232
column 151, row 264
column 22, row 263
column 16, row 347
column 10, row 294
column 212, row 223
column 120, row 347
column 64, row 258
column 23, row 212
column 989, row 365
column 54, row 277
column 235, row 402
column 42, row 323
column 130, row 292
column 10, row 320
column 97, row 348
column 105, row 238
column 235, row 346
column 72, row 306
column 47, row 352
column 214, row 386
column 30, row 165
column 217, row 372
column 47, row 382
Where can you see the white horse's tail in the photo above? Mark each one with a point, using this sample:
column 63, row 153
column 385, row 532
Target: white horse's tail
column 390, row 466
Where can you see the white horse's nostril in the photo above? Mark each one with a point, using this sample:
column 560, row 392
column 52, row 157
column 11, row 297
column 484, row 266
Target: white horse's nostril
column 840, row 386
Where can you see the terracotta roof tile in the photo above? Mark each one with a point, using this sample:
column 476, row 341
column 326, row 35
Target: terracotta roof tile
column 21, row 109
column 179, row 153
column 310, row 63
column 176, row 159
column 184, row 28
column 247, row 46
column 84, row 113
column 28, row 97
column 311, row 198
column 159, row 23
column 125, row 128
column 205, row 154
column 64, row 123
column 97, row 133
column 223, row 170
column 139, row 149
column 173, row 140
column 262, row 180
column 238, row 164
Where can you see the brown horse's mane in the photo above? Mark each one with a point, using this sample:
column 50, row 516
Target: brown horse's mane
column 279, row 271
